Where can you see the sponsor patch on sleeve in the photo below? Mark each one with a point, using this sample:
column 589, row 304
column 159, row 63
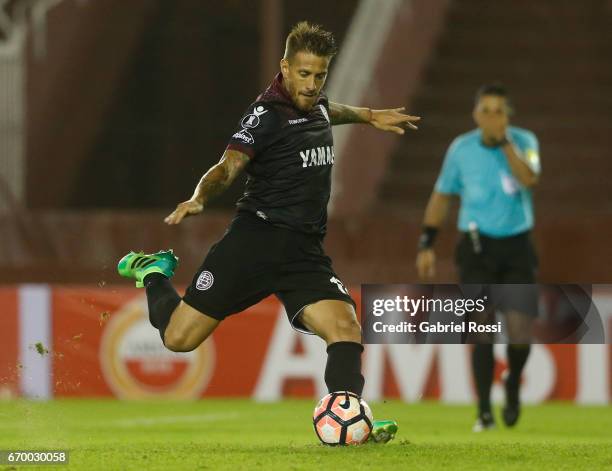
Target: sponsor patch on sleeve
column 245, row 136
column 533, row 160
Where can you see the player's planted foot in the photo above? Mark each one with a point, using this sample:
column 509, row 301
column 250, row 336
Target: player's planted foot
column 383, row 431
column 484, row 422
column 138, row 265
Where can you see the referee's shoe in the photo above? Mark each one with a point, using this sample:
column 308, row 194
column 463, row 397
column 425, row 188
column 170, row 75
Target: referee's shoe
column 512, row 411
column 484, row 422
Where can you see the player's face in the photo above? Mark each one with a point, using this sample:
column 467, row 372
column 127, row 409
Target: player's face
column 492, row 116
column 304, row 76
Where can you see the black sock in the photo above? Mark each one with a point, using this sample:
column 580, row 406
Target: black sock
column 162, row 299
column 517, row 357
column 343, row 369
column 483, row 365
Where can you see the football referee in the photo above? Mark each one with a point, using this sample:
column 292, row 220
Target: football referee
column 274, row 244
column 493, row 169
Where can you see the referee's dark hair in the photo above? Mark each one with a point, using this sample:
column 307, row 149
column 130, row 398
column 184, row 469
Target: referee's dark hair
column 493, row 89
column 310, row 38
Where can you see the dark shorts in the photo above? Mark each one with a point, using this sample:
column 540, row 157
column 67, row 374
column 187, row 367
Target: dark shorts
column 255, row 259
column 509, row 263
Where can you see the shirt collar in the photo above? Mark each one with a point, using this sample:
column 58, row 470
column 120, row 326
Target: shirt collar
column 276, row 92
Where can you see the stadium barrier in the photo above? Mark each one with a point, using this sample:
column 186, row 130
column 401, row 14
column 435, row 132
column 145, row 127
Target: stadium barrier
column 77, row 341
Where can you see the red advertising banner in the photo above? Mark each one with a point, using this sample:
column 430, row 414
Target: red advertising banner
column 101, row 344
column 9, row 345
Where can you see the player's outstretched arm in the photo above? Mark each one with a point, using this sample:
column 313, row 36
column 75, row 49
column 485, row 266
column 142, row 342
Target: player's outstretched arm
column 393, row 120
column 215, row 181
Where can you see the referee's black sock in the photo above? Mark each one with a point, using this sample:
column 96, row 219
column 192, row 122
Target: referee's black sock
column 162, row 299
column 483, row 365
column 343, row 370
column 517, row 357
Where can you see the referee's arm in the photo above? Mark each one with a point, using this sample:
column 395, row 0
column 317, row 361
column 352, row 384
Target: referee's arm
column 435, row 215
column 437, row 209
column 519, row 165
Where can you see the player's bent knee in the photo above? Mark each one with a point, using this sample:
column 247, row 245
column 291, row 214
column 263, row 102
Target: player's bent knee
column 178, row 342
column 343, row 328
column 188, row 328
column 333, row 321
column 347, row 330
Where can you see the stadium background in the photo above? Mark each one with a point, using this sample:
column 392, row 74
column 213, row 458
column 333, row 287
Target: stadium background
column 110, row 112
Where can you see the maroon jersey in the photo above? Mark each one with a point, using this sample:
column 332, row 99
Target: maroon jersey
column 292, row 154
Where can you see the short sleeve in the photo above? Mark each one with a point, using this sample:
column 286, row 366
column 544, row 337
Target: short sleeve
column 529, row 146
column 449, row 180
column 254, row 130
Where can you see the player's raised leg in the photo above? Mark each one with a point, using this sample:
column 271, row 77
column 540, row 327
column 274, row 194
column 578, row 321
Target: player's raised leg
column 188, row 328
column 336, row 322
column 181, row 327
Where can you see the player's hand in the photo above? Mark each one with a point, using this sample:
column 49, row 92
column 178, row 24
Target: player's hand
column 426, row 264
column 184, row 209
column 393, row 120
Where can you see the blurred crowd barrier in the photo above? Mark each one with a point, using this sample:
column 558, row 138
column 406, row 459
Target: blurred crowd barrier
column 84, row 246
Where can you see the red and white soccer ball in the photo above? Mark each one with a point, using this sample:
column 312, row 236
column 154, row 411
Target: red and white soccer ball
column 342, row 418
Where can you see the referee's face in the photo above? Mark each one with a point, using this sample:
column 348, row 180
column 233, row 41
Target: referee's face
column 304, row 76
column 491, row 114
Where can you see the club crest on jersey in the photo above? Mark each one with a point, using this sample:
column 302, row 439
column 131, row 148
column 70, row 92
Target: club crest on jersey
column 245, row 136
column 205, row 281
column 317, row 156
column 252, row 120
column 324, row 111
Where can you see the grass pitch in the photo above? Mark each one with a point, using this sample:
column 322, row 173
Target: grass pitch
column 241, row 434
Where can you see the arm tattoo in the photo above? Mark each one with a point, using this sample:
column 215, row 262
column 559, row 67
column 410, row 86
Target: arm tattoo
column 220, row 176
column 344, row 114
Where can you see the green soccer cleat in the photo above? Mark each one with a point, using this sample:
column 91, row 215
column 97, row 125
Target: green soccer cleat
column 383, row 431
column 138, row 265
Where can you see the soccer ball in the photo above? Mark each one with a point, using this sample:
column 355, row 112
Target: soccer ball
column 342, row 418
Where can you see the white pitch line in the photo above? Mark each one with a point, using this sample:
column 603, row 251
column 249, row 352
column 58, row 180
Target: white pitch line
column 174, row 419
column 137, row 422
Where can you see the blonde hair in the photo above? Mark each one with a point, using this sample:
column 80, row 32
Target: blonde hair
column 311, row 38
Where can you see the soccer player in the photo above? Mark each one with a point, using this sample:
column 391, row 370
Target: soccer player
column 492, row 169
column 274, row 244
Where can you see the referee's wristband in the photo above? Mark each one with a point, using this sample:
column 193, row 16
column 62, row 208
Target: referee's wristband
column 428, row 236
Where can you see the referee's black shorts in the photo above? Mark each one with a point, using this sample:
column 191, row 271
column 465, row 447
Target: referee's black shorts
column 509, row 261
column 255, row 259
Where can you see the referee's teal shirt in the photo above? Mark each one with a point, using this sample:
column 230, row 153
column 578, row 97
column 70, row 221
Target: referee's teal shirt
column 491, row 197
